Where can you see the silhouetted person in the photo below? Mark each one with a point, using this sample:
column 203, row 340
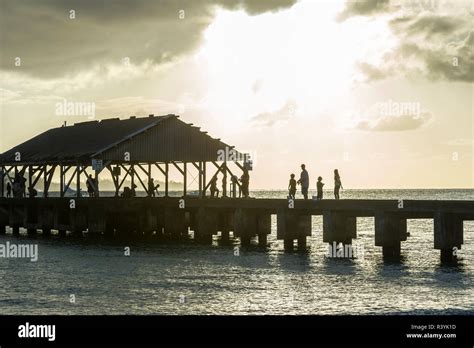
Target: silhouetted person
column 213, row 188
column 32, row 192
column 337, row 184
column 127, row 193
column 23, row 186
column 234, row 184
column 9, row 190
column 304, row 181
column 90, row 186
column 152, row 187
column 245, row 180
column 133, row 192
column 16, row 189
column 319, row 188
column 19, row 186
column 292, row 186
column 224, row 186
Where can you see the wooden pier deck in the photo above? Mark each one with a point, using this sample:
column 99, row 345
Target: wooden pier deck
column 170, row 217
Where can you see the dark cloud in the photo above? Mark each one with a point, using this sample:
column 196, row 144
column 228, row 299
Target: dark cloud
column 50, row 44
column 363, row 8
column 438, row 41
column 427, row 26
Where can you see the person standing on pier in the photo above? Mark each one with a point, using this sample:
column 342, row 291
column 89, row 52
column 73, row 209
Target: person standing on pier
column 337, row 184
column 234, row 183
column 9, row 190
column 245, row 180
column 152, row 187
column 90, row 186
column 292, row 187
column 213, row 187
column 319, row 188
column 304, row 181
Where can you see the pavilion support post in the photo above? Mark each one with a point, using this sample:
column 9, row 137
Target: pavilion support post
column 132, row 177
column 78, row 180
column 150, row 194
column 30, row 176
column 166, row 179
column 204, row 179
column 2, row 182
column 45, row 180
column 96, row 183
column 61, row 180
column 224, row 179
column 200, row 179
column 185, row 180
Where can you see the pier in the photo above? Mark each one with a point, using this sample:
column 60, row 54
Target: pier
column 175, row 217
column 134, row 150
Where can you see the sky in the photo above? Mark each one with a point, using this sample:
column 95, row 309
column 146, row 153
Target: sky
column 380, row 89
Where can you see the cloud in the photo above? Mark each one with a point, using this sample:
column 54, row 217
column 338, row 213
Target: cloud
column 281, row 115
column 363, row 8
column 392, row 116
column 435, row 39
column 373, row 73
column 51, row 44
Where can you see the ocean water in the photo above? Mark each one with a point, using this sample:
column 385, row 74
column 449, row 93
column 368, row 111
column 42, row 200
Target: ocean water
column 184, row 278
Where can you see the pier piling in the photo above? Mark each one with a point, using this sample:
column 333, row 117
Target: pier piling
column 291, row 225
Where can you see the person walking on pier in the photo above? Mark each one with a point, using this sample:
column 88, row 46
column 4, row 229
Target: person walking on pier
column 9, row 190
column 337, row 184
column 319, row 188
column 245, row 180
column 213, row 188
column 152, row 187
column 292, row 187
column 304, row 181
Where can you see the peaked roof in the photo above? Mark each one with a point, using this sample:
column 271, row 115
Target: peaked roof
column 100, row 139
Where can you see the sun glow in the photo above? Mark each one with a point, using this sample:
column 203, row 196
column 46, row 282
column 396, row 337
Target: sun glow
column 303, row 55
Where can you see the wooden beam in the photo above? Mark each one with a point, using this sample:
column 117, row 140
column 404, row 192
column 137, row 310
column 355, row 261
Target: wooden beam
column 185, row 180
column 166, row 178
column 161, row 169
column 224, row 179
column 78, row 181
column 127, row 173
column 61, row 180
column 70, row 180
column 114, row 179
column 177, row 167
column 45, row 179
column 200, row 179
column 219, row 169
column 49, row 177
column 2, row 181
column 141, row 182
